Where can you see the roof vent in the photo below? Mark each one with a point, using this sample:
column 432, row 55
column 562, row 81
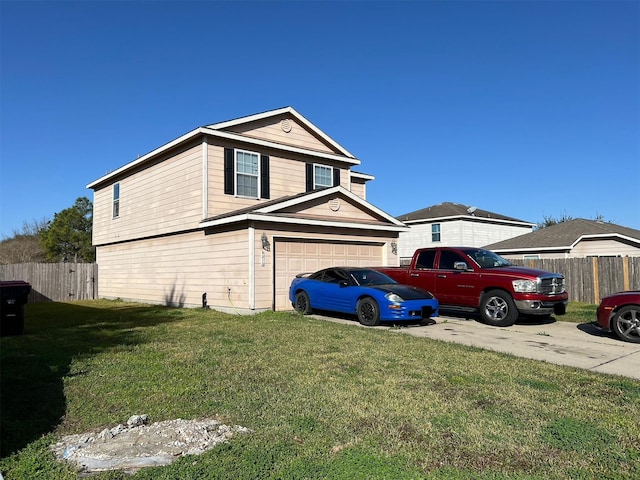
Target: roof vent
column 471, row 210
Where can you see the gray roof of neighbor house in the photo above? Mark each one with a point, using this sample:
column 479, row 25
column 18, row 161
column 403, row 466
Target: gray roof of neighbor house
column 567, row 234
column 449, row 211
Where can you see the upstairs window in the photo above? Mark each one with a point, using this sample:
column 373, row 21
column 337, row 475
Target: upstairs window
column 435, row 232
column 116, row 200
column 321, row 176
column 247, row 174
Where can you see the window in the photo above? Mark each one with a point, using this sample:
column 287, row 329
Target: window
column 322, row 176
column 448, row 259
column 116, row 200
column 426, row 259
column 435, row 232
column 247, row 171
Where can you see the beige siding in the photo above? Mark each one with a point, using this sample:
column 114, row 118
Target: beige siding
column 287, row 176
column 359, row 189
column 587, row 248
column 164, row 197
column 178, row 269
column 335, row 208
column 270, row 129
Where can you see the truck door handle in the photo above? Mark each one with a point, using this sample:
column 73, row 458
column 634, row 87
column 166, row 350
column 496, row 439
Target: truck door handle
column 442, row 276
column 414, row 275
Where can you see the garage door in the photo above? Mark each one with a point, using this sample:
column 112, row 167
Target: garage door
column 295, row 256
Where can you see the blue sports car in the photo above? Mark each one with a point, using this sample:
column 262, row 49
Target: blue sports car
column 371, row 295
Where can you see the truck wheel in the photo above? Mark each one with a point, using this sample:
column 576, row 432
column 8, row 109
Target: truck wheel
column 302, row 304
column 626, row 323
column 368, row 312
column 497, row 308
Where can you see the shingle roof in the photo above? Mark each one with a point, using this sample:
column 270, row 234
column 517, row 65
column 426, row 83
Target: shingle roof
column 449, row 209
column 565, row 235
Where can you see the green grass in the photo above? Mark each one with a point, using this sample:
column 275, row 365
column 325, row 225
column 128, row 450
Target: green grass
column 324, row 400
column 579, row 312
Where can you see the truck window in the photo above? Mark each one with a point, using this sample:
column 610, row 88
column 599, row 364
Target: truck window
column 426, row 259
column 447, row 259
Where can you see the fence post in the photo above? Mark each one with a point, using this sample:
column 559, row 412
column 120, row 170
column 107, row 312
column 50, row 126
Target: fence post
column 625, row 270
column 596, row 281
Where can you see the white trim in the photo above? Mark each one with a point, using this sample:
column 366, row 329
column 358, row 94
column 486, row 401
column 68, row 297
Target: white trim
column 328, row 192
column 364, row 176
column 315, row 185
column 252, row 217
column 229, row 136
column 280, row 111
column 604, row 236
column 237, row 173
column 252, row 267
column 468, row 218
column 205, row 178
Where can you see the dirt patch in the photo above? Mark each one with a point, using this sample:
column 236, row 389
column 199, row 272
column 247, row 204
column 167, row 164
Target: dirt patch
column 137, row 445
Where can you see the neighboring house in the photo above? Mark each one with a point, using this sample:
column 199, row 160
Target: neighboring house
column 453, row 224
column 231, row 212
column 572, row 238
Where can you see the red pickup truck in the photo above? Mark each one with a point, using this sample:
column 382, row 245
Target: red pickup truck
column 469, row 279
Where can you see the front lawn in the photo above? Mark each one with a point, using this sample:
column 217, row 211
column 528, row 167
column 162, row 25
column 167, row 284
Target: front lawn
column 324, row 400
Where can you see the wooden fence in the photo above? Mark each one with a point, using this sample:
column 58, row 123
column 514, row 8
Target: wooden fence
column 57, row 282
column 588, row 279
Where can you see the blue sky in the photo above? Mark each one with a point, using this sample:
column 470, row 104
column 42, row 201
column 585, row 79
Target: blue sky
column 527, row 109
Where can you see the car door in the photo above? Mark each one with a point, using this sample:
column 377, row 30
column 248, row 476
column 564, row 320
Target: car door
column 454, row 286
column 423, row 274
column 333, row 294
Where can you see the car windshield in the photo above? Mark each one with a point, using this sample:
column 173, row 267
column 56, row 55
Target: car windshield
column 366, row 278
column 486, row 259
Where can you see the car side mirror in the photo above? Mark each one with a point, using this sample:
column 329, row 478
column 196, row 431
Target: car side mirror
column 343, row 283
column 460, row 266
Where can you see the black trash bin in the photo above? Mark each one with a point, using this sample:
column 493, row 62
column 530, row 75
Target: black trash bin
column 13, row 297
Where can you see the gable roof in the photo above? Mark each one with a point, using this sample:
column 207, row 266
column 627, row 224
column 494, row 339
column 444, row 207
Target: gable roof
column 279, row 111
column 566, row 235
column 456, row 211
column 214, row 130
column 272, row 211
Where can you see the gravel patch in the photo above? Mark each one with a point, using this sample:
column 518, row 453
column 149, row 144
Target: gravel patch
column 137, row 445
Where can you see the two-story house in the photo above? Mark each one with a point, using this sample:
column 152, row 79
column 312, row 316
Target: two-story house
column 454, row 224
column 231, row 212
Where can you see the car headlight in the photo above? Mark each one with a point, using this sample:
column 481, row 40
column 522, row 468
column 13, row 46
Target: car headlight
column 394, row 297
column 525, row 286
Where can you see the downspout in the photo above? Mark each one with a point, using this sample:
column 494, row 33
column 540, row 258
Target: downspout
column 252, row 267
column 205, row 178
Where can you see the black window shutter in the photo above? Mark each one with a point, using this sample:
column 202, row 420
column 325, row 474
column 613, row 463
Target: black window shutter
column 336, row 177
column 228, row 171
column 309, row 177
column 264, row 176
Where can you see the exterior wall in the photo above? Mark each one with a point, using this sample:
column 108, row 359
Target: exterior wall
column 287, row 176
column 336, row 208
column 271, row 129
column 602, row 248
column 359, row 189
column 165, row 197
column 177, row 270
column 523, row 255
column 457, row 233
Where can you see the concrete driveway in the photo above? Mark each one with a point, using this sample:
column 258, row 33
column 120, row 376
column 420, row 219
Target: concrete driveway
column 562, row 343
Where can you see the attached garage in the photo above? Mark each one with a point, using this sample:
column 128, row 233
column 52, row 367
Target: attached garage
column 294, row 255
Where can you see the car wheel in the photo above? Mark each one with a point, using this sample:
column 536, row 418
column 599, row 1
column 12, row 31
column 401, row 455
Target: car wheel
column 497, row 308
column 368, row 312
column 302, row 304
column 626, row 323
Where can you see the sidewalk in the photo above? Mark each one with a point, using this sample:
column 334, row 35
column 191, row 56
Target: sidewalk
column 562, row 343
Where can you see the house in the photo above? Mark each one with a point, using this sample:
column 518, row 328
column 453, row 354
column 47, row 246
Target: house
column 448, row 224
column 572, row 238
column 227, row 214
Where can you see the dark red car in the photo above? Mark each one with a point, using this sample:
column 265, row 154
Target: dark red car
column 620, row 312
